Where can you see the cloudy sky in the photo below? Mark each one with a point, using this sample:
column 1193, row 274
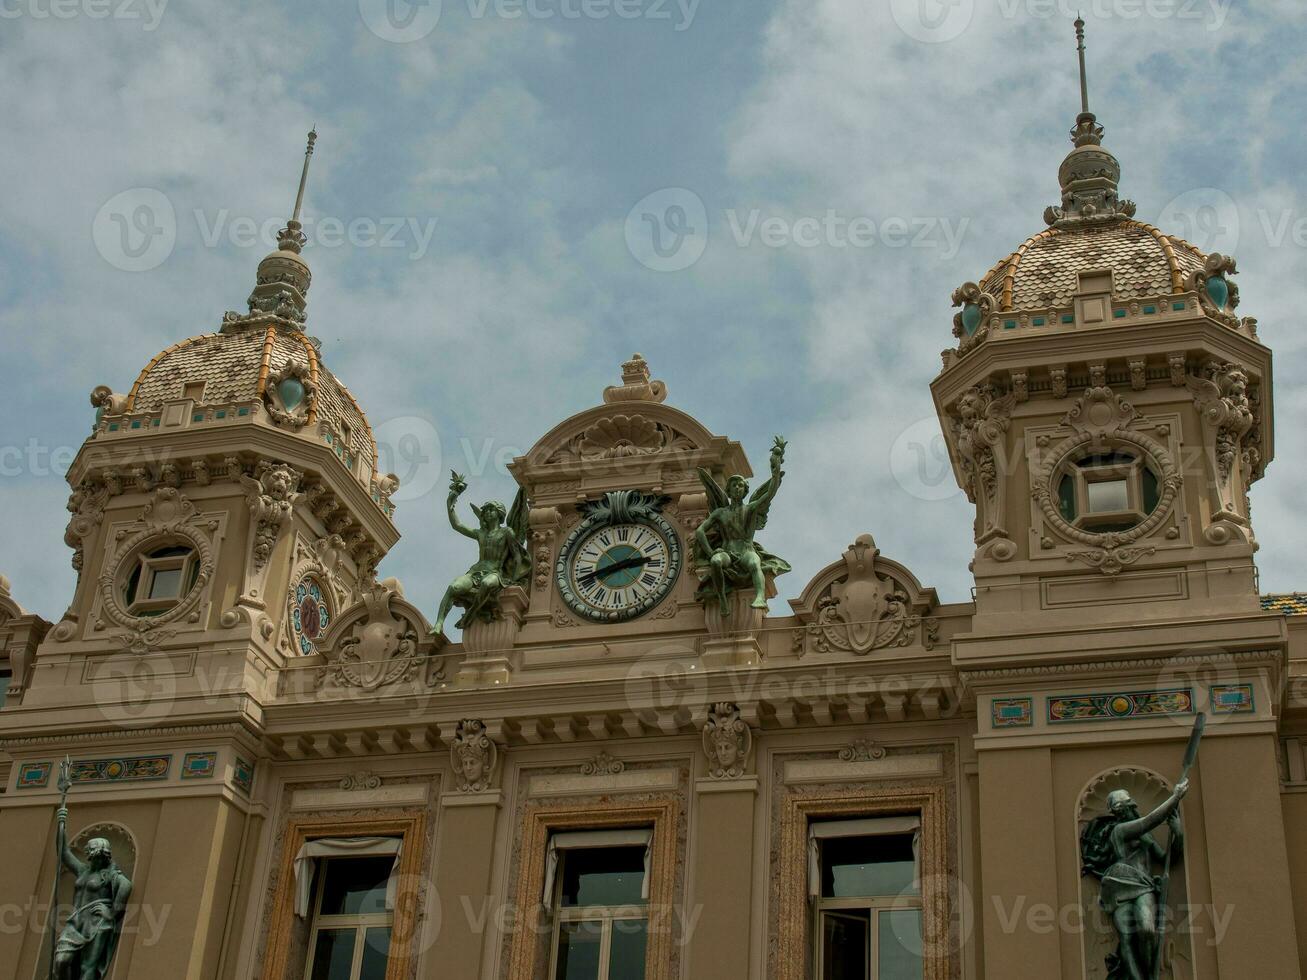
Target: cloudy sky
column 509, row 197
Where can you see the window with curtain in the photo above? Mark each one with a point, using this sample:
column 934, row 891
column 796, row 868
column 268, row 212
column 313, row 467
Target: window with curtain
column 597, row 885
column 348, row 891
column 864, row 882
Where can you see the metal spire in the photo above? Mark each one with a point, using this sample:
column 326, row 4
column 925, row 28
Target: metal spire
column 291, row 238
column 1080, row 47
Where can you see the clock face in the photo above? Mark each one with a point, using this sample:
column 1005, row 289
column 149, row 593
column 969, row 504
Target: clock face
column 612, row 572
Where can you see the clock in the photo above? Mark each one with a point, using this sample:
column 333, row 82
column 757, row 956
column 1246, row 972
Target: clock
column 619, row 562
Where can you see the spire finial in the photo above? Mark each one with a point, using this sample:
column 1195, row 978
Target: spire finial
column 1080, row 48
column 291, row 238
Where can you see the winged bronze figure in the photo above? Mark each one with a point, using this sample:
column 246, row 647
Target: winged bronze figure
column 502, row 558
column 727, row 558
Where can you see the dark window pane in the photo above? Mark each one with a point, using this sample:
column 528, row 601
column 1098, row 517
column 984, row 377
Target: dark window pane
column 864, row 867
column 603, row 876
column 1066, row 497
column 627, row 951
column 578, row 950
column 1151, row 494
column 898, row 936
column 4, row 686
column 356, row 886
column 173, row 552
column 376, row 953
column 845, row 944
column 333, row 954
column 133, row 584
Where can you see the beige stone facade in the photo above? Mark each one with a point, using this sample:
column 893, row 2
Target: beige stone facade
column 232, row 684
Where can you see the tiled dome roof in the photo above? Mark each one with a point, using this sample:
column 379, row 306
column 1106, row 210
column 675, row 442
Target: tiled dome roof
column 1044, row 272
column 235, row 367
column 1289, row 603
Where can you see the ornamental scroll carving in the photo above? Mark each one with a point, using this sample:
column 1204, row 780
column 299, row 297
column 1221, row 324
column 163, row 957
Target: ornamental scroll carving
column 863, row 608
column 979, row 435
column 289, row 392
column 270, row 495
column 971, row 322
column 1224, row 399
column 376, row 643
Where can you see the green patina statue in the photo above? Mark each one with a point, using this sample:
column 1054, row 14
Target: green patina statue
column 1118, row 849
column 85, row 947
column 502, row 557
column 727, row 558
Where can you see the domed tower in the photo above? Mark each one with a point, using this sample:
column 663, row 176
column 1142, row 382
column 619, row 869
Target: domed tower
column 228, row 505
column 1106, row 410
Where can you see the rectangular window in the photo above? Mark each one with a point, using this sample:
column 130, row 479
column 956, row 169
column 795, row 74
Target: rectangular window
column 864, row 881
column 597, row 886
column 5, row 677
column 349, row 937
column 194, row 390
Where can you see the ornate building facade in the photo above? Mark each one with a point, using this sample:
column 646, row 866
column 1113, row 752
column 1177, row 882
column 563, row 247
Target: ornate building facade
column 627, row 767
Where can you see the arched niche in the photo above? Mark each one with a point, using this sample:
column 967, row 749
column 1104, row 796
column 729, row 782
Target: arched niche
column 124, row 850
column 1098, row 937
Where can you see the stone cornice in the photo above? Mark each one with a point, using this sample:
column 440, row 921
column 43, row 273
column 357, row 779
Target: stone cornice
column 1249, row 658
column 138, row 736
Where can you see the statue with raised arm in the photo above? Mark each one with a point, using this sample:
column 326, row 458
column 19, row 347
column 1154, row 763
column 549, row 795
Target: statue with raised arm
column 1119, row 850
column 727, row 558
column 85, row 947
column 502, row 558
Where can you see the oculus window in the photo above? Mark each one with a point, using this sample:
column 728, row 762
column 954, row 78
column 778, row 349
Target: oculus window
column 159, row 579
column 1112, row 491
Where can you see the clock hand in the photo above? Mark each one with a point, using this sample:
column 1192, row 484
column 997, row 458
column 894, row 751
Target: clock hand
column 617, row 566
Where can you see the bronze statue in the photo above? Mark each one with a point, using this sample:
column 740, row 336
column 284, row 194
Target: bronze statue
column 502, row 557
column 85, row 947
column 1119, row 850
column 726, row 555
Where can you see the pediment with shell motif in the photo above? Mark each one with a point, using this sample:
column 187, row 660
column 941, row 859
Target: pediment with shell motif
column 633, row 439
column 864, row 603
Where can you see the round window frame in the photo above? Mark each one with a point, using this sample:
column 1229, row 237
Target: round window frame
column 1062, row 457
column 129, row 556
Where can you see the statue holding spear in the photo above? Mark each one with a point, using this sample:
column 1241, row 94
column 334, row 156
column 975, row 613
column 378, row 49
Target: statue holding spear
column 84, row 948
column 1118, row 849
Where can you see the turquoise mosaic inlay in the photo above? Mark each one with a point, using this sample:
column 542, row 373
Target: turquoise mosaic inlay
column 1012, row 712
column 1232, row 699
